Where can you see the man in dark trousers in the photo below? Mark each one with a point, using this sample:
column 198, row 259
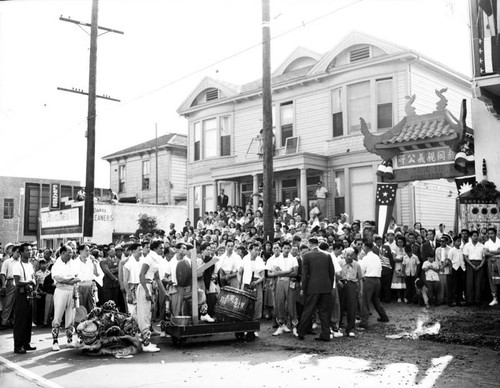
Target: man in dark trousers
column 222, row 199
column 24, row 279
column 317, row 279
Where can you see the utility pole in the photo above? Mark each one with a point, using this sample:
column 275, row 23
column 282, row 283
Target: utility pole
column 268, row 124
column 156, row 177
column 88, row 219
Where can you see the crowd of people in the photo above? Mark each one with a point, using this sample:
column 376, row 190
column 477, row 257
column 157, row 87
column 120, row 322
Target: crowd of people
column 315, row 272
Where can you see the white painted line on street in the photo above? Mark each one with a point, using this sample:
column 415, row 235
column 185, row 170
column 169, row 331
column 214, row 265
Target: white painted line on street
column 28, row 374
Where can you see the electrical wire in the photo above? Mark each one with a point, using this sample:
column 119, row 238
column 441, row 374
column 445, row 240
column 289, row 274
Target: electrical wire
column 227, row 58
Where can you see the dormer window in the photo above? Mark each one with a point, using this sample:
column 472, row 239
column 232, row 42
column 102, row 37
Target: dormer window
column 359, row 54
column 212, row 94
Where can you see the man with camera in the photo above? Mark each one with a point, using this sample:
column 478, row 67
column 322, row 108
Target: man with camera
column 24, row 279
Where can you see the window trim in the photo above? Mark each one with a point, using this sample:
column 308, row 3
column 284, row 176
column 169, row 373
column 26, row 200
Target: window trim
column 120, row 168
column 5, row 207
column 218, row 143
column 373, row 104
column 146, row 176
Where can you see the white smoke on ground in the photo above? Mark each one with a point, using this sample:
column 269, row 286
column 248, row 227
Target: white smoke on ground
column 424, row 326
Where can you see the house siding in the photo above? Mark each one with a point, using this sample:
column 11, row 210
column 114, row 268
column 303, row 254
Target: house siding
column 424, row 82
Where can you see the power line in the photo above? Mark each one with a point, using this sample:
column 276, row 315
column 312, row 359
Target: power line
column 238, row 53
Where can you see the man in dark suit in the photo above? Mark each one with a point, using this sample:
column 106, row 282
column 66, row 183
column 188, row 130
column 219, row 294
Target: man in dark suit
column 222, row 199
column 317, row 279
column 428, row 248
column 299, row 209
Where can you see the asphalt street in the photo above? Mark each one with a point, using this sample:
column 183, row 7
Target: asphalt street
column 369, row 360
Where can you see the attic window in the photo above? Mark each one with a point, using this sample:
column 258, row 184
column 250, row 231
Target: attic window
column 359, row 54
column 212, row 94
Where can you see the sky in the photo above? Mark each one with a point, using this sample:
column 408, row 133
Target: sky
column 167, row 48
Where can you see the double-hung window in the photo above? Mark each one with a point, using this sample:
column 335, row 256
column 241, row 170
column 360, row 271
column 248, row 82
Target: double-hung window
column 225, row 136
column 8, row 208
column 286, row 121
column 209, row 138
column 212, row 138
column 121, row 178
column 371, row 100
column 337, row 116
column 384, row 103
column 197, row 141
column 146, row 171
column 358, row 105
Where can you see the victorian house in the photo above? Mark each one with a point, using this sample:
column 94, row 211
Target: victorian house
column 318, row 100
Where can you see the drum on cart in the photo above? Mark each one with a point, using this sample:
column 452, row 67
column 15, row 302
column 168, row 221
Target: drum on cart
column 234, row 305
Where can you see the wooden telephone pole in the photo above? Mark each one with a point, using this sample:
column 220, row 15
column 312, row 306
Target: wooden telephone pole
column 268, row 124
column 88, row 218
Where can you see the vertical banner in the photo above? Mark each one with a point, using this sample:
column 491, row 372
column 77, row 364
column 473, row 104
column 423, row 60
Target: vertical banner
column 55, row 196
column 384, row 204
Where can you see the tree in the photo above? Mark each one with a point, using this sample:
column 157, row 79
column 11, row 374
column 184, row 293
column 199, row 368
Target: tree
column 147, row 224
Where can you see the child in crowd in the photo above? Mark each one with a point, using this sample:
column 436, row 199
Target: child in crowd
column 410, row 265
column 431, row 269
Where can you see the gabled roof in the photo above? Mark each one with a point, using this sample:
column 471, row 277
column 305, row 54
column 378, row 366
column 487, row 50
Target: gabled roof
column 351, row 39
column 285, row 75
column 298, row 53
column 172, row 139
column 227, row 89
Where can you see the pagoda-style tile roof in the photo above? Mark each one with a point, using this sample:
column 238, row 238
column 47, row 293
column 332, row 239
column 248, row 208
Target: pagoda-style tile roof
column 431, row 126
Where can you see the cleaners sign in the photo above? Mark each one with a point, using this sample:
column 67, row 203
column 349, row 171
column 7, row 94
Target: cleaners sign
column 55, row 196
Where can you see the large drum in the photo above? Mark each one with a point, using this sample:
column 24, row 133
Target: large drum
column 234, row 305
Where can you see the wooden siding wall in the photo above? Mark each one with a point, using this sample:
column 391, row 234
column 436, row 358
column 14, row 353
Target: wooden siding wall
column 424, row 82
column 178, row 176
column 434, row 204
column 171, row 168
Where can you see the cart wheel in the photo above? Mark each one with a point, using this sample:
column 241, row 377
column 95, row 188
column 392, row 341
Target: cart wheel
column 239, row 336
column 250, row 336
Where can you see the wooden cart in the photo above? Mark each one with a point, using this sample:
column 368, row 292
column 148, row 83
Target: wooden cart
column 241, row 330
column 180, row 333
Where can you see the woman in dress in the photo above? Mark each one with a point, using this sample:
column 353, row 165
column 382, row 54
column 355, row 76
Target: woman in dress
column 398, row 281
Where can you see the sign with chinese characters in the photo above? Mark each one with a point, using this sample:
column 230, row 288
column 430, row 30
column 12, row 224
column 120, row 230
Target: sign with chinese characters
column 61, row 218
column 55, row 196
column 422, row 157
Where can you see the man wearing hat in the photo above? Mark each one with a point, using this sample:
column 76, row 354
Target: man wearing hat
column 299, row 209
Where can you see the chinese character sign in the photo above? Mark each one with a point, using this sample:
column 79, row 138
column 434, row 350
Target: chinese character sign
column 55, row 196
column 425, row 156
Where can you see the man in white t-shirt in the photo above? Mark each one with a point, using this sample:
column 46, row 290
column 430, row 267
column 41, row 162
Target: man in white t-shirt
column 131, row 271
column 284, row 268
column 149, row 273
column 87, row 269
column 228, row 266
column 65, row 276
column 252, row 272
column 321, row 194
column 492, row 253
